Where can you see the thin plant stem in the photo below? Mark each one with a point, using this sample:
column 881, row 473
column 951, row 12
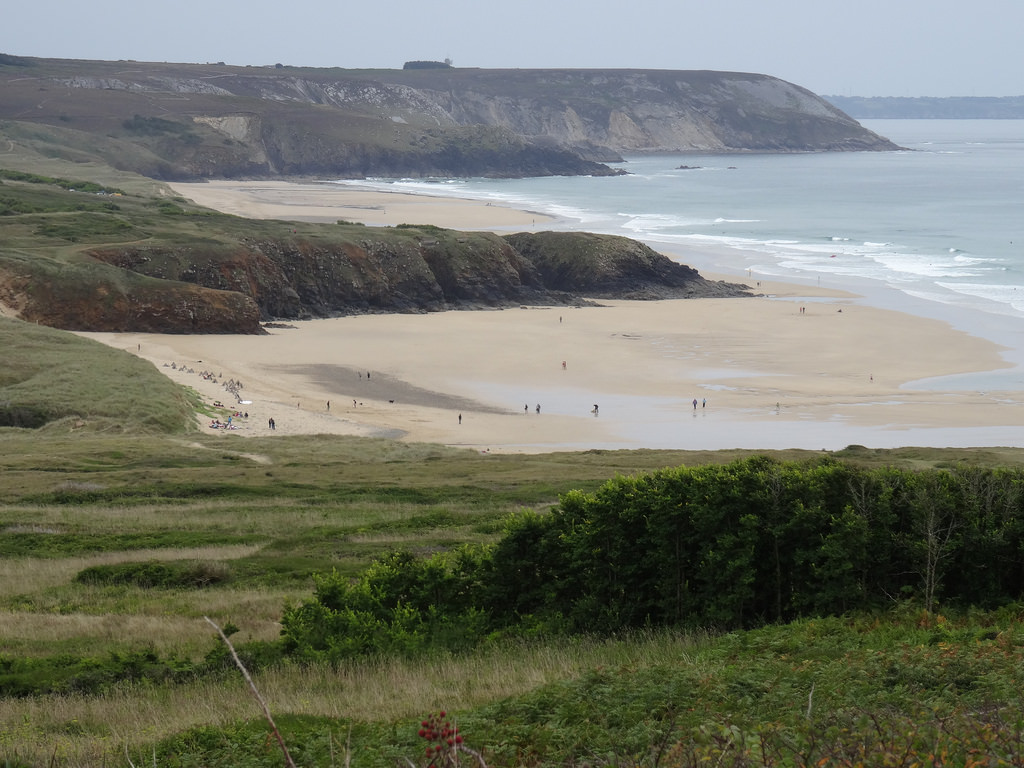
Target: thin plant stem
column 255, row 692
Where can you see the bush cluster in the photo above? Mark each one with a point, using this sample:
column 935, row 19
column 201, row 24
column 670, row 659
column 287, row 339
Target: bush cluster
column 69, row 184
column 732, row 546
column 67, row 673
column 187, row 575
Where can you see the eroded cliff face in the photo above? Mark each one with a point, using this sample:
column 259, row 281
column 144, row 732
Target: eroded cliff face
column 611, row 267
column 634, row 111
column 91, row 301
column 187, row 121
column 420, row 271
column 296, row 278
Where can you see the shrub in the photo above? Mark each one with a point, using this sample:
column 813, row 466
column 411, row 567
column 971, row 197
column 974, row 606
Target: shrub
column 731, row 547
column 400, row 605
column 150, row 575
column 20, row 676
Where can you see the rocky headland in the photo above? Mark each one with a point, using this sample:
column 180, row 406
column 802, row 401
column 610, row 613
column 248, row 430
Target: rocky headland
column 199, row 121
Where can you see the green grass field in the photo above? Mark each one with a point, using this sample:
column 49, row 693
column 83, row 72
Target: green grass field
column 116, row 484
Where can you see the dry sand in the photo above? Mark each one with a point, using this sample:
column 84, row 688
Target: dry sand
column 330, row 202
column 771, row 375
column 799, row 367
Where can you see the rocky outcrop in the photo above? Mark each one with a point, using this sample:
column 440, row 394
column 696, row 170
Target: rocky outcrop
column 296, row 277
column 610, row 267
column 103, row 259
column 421, row 270
column 192, row 121
column 83, row 299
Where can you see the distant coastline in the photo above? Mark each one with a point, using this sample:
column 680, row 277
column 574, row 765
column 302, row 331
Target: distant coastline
column 930, row 107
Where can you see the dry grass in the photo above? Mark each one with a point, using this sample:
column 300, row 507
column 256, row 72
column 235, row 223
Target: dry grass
column 169, row 634
column 45, row 604
column 91, row 730
column 32, row 575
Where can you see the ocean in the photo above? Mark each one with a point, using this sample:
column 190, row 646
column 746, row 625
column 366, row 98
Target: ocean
column 936, row 230
column 933, row 230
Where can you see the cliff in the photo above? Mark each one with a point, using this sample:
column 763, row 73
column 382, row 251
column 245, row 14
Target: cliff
column 420, row 269
column 638, row 111
column 86, row 298
column 81, row 256
column 195, row 121
column 609, row 267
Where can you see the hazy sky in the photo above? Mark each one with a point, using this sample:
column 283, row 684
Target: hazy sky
column 863, row 48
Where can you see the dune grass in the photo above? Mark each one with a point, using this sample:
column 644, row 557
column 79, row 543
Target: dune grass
column 51, row 376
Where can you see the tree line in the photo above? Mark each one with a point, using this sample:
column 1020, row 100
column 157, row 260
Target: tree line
column 730, row 546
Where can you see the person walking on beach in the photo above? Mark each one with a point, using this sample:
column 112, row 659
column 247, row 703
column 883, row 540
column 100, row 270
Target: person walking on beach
column 271, row 424
column 695, row 403
column 460, row 418
column 595, row 409
column 538, row 407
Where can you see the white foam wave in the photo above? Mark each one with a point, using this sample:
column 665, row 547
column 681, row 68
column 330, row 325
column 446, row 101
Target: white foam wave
column 1009, row 295
column 657, row 222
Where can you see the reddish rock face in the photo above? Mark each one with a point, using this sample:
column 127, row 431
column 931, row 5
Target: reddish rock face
column 157, row 307
column 232, row 288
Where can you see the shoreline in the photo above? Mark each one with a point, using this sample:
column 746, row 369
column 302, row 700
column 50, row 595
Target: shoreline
column 411, row 377
column 801, row 367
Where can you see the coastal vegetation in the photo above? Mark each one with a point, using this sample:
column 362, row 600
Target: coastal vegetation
column 822, row 637
column 53, row 378
column 84, row 255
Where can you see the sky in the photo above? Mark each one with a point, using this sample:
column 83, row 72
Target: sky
column 831, row 47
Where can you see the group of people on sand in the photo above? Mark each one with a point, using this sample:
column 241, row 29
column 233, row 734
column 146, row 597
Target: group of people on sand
column 232, row 386
column 230, row 423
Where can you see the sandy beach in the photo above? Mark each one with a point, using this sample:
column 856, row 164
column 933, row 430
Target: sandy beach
column 331, row 202
column 799, row 366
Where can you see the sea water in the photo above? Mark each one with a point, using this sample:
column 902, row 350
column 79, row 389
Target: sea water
column 938, row 225
column 933, row 229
